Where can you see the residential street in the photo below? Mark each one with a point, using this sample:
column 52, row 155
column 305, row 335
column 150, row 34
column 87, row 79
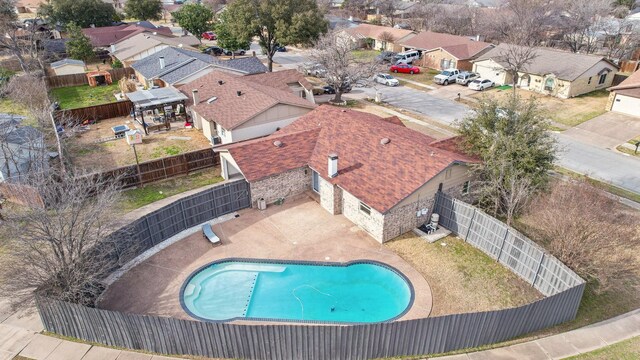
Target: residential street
column 601, row 164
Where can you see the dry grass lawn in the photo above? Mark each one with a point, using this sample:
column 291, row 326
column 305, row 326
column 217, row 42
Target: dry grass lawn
column 565, row 113
column 462, row 278
column 86, row 153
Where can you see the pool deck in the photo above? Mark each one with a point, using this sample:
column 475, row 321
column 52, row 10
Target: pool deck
column 297, row 230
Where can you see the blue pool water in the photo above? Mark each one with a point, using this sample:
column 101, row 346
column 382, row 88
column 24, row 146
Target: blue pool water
column 357, row 292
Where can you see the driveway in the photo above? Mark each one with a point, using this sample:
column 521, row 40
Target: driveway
column 450, row 92
column 598, row 163
column 606, row 131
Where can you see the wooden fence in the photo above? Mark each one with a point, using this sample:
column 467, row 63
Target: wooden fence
column 165, row 168
column 59, row 81
column 362, row 341
column 96, row 112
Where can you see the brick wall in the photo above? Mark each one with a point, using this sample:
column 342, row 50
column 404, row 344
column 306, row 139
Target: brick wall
column 289, row 183
column 372, row 223
column 404, row 218
column 330, row 197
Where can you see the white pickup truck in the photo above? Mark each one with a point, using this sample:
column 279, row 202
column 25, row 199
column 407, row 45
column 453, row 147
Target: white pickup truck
column 446, row 77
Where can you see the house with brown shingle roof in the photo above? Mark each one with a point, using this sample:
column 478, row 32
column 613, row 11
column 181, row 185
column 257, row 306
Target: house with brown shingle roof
column 378, row 37
column 445, row 51
column 374, row 171
column 625, row 97
column 551, row 72
column 230, row 108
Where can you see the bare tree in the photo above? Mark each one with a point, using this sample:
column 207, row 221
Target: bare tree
column 334, row 53
column 622, row 38
column 587, row 230
column 515, row 59
column 582, row 20
column 21, row 41
column 22, row 149
column 64, row 250
column 386, row 38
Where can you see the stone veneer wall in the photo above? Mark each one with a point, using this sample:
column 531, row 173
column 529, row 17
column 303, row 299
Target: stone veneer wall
column 404, row 219
column 292, row 182
column 373, row 223
column 330, row 197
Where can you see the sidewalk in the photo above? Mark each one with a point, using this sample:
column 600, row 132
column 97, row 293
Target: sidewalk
column 19, row 335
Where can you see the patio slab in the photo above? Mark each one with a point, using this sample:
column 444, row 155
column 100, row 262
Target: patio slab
column 297, row 230
column 101, row 353
column 40, row 347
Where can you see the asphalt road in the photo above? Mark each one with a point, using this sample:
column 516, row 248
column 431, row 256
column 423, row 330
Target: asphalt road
column 436, row 108
column 601, row 164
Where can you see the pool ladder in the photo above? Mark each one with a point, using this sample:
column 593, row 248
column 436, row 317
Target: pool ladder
column 253, row 285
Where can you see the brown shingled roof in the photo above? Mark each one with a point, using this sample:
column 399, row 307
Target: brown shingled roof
column 461, row 47
column 230, row 110
column 375, row 31
column 281, row 79
column 632, row 82
column 380, row 175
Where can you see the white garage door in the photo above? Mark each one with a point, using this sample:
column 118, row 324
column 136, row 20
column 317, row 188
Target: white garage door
column 626, row 105
column 486, row 72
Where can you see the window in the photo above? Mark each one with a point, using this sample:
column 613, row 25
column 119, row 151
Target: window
column 315, row 181
column 549, row 84
column 602, row 79
column 222, row 132
column 589, row 82
column 365, row 208
column 465, row 187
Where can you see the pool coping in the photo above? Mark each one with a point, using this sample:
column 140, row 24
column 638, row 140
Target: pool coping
column 296, row 262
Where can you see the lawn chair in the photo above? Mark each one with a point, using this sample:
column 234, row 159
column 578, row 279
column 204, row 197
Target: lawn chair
column 208, row 234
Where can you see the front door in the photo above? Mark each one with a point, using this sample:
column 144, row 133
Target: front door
column 315, row 181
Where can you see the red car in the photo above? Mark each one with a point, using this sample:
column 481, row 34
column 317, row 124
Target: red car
column 209, row 35
column 405, row 68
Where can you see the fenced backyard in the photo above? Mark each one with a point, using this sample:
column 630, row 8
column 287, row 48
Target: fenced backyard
column 96, row 112
column 562, row 287
column 59, row 81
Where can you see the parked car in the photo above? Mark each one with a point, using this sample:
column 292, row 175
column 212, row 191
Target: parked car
column 480, row 84
column 328, row 89
column 213, row 50
column 280, row 48
column 465, row 77
column 312, row 69
column 405, row 68
column 209, row 35
column 447, row 77
column 407, row 57
column 386, row 57
column 386, row 79
column 234, row 52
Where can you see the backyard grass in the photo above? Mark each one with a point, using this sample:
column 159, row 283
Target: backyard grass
column 624, row 350
column 139, row 197
column 364, row 54
column 73, row 97
column 8, row 106
column 462, row 278
column 565, row 113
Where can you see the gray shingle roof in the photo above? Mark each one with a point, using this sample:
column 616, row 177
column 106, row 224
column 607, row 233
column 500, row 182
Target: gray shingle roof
column 179, row 63
column 247, row 65
column 67, row 62
column 565, row 65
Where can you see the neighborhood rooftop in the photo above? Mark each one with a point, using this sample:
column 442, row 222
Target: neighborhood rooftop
column 630, row 86
column 462, row 47
column 140, row 42
column 563, row 64
column 364, row 31
column 154, row 97
column 63, row 62
column 105, row 36
column 380, row 161
column 176, row 64
column 232, row 100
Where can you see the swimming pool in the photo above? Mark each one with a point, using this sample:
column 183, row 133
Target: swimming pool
column 354, row 292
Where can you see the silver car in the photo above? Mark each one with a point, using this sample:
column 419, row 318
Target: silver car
column 464, row 78
column 386, row 79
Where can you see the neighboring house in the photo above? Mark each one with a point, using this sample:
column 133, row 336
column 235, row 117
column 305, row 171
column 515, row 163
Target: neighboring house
column 376, row 172
column 141, row 45
column 625, row 97
column 103, row 37
column 22, row 148
column 378, row 37
column 28, row 6
column 445, row 51
column 68, row 66
column 552, row 72
column 176, row 66
column 231, row 108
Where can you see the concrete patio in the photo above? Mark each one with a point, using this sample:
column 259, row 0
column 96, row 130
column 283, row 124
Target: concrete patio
column 297, row 230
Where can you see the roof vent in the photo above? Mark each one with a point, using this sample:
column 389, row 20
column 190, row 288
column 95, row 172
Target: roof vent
column 220, row 82
column 344, row 110
column 277, row 143
column 239, row 92
column 385, row 141
column 214, row 98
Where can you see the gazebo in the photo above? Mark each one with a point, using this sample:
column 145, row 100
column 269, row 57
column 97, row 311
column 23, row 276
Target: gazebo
column 99, row 78
column 161, row 105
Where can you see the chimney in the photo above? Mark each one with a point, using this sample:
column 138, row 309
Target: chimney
column 333, row 165
column 113, row 48
column 195, row 97
column 161, row 62
column 220, row 82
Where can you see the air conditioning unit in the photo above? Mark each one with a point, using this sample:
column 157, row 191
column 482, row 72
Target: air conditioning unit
column 216, row 140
